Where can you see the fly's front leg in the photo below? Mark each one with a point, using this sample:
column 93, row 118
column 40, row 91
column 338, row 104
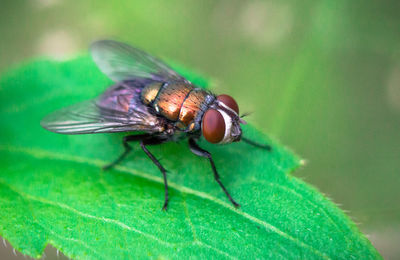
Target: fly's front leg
column 155, row 141
column 255, row 144
column 128, row 148
column 203, row 153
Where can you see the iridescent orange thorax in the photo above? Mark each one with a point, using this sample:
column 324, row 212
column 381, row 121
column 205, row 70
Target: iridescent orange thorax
column 181, row 103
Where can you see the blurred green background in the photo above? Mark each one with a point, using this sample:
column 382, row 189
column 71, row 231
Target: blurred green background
column 323, row 77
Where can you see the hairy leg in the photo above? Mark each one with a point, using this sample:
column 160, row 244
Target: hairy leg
column 144, row 139
column 155, row 141
column 255, row 144
column 125, row 141
column 203, row 153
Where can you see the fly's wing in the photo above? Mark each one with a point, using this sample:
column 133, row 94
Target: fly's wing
column 118, row 110
column 121, row 62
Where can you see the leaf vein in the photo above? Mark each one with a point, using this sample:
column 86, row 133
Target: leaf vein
column 189, row 220
column 276, row 185
column 68, row 208
column 43, row 154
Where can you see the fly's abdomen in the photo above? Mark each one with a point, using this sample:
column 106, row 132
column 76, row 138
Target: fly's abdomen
column 170, row 99
column 178, row 102
column 166, row 98
column 150, row 92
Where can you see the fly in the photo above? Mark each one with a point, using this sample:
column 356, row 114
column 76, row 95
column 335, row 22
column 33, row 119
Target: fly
column 151, row 98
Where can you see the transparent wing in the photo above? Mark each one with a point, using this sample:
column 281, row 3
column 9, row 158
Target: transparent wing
column 89, row 117
column 120, row 62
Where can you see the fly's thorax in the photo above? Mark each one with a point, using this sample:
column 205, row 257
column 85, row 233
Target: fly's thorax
column 193, row 108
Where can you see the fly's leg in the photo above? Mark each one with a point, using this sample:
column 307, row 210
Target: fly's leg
column 128, row 148
column 155, row 141
column 144, row 139
column 203, row 153
column 255, row 144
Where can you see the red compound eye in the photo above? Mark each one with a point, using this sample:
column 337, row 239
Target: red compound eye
column 230, row 102
column 213, row 126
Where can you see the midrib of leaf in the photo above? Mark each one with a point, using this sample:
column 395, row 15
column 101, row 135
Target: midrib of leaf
column 43, row 154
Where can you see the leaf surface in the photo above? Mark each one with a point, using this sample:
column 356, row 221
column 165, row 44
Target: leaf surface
column 52, row 188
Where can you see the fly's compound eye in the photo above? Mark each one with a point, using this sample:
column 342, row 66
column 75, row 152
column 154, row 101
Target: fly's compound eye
column 213, row 126
column 229, row 101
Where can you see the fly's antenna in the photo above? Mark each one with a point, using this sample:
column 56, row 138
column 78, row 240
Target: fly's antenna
column 245, row 114
column 241, row 118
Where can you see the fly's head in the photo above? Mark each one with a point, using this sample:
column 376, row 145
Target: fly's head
column 221, row 122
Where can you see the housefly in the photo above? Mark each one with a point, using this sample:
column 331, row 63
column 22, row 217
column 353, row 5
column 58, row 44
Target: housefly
column 154, row 101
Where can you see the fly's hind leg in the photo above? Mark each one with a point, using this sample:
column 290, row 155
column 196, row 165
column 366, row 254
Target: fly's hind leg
column 203, row 153
column 144, row 139
column 125, row 141
column 155, row 141
column 255, row 144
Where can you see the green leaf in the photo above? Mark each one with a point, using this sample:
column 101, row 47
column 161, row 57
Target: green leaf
column 52, row 188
